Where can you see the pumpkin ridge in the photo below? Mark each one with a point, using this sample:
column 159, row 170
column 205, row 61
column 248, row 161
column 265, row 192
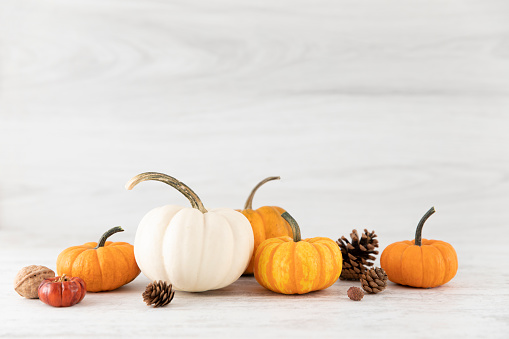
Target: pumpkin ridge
column 403, row 277
column 267, row 230
column 100, row 268
column 450, row 272
column 293, row 268
column 173, row 212
column 81, row 268
column 61, row 289
column 126, row 272
column 271, row 281
column 131, row 261
column 396, row 270
column 422, row 264
column 233, row 249
column 260, row 215
column 321, row 268
column 256, row 263
column 442, row 259
column 282, row 255
column 322, row 276
column 129, row 270
column 279, row 212
column 66, row 258
column 309, row 276
column 202, row 251
column 442, row 281
column 292, row 272
column 335, row 264
column 338, row 264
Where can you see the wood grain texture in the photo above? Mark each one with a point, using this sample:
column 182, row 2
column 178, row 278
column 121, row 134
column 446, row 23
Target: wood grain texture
column 371, row 112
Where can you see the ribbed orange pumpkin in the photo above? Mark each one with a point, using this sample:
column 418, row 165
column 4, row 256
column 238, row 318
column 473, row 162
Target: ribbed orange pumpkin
column 104, row 266
column 421, row 262
column 295, row 266
column 266, row 221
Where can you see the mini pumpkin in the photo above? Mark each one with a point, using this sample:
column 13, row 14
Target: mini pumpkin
column 294, row 266
column 62, row 291
column 265, row 221
column 420, row 262
column 104, row 265
column 191, row 248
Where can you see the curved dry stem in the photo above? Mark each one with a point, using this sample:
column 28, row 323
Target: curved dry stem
column 293, row 224
column 108, row 234
column 178, row 185
column 418, row 232
column 249, row 202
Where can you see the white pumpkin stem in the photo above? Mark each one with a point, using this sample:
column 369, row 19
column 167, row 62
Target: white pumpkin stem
column 178, row 185
column 249, row 202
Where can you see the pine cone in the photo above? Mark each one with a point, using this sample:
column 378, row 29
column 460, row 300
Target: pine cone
column 357, row 253
column 158, row 293
column 374, row 280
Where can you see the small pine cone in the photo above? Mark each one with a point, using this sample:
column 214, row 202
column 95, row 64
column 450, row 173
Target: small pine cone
column 355, row 293
column 374, row 280
column 158, row 293
column 358, row 253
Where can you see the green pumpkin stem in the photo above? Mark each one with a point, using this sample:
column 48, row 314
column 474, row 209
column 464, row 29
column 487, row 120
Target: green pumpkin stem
column 293, row 224
column 108, row 234
column 418, row 232
column 249, row 201
column 178, row 185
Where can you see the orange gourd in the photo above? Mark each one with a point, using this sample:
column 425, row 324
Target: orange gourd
column 62, row 291
column 420, row 263
column 295, row 266
column 265, row 221
column 104, row 266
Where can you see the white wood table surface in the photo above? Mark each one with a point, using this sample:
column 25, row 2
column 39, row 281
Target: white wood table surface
column 370, row 111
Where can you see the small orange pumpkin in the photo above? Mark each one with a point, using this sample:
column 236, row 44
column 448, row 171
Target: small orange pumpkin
column 295, row 266
column 421, row 262
column 104, row 266
column 266, row 221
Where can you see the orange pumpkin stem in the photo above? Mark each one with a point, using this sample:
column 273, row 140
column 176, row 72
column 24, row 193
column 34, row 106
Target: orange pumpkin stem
column 293, row 224
column 108, row 234
column 178, row 185
column 418, row 232
column 249, row 202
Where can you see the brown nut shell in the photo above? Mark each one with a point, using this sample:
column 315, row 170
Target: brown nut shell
column 29, row 278
column 355, row 293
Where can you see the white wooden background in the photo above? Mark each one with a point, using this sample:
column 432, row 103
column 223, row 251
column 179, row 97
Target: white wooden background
column 370, row 111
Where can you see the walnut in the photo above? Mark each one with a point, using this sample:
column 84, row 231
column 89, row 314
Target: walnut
column 355, row 293
column 29, row 278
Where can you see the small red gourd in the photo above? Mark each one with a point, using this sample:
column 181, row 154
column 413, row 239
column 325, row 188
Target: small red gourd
column 421, row 262
column 62, row 291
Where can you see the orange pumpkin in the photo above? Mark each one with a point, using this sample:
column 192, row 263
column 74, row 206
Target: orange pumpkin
column 104, row 266
column 421, row 262
column 266, row 221
column 295, row 266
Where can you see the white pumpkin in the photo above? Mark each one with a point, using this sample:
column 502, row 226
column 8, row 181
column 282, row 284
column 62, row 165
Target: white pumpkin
column 194, row 249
